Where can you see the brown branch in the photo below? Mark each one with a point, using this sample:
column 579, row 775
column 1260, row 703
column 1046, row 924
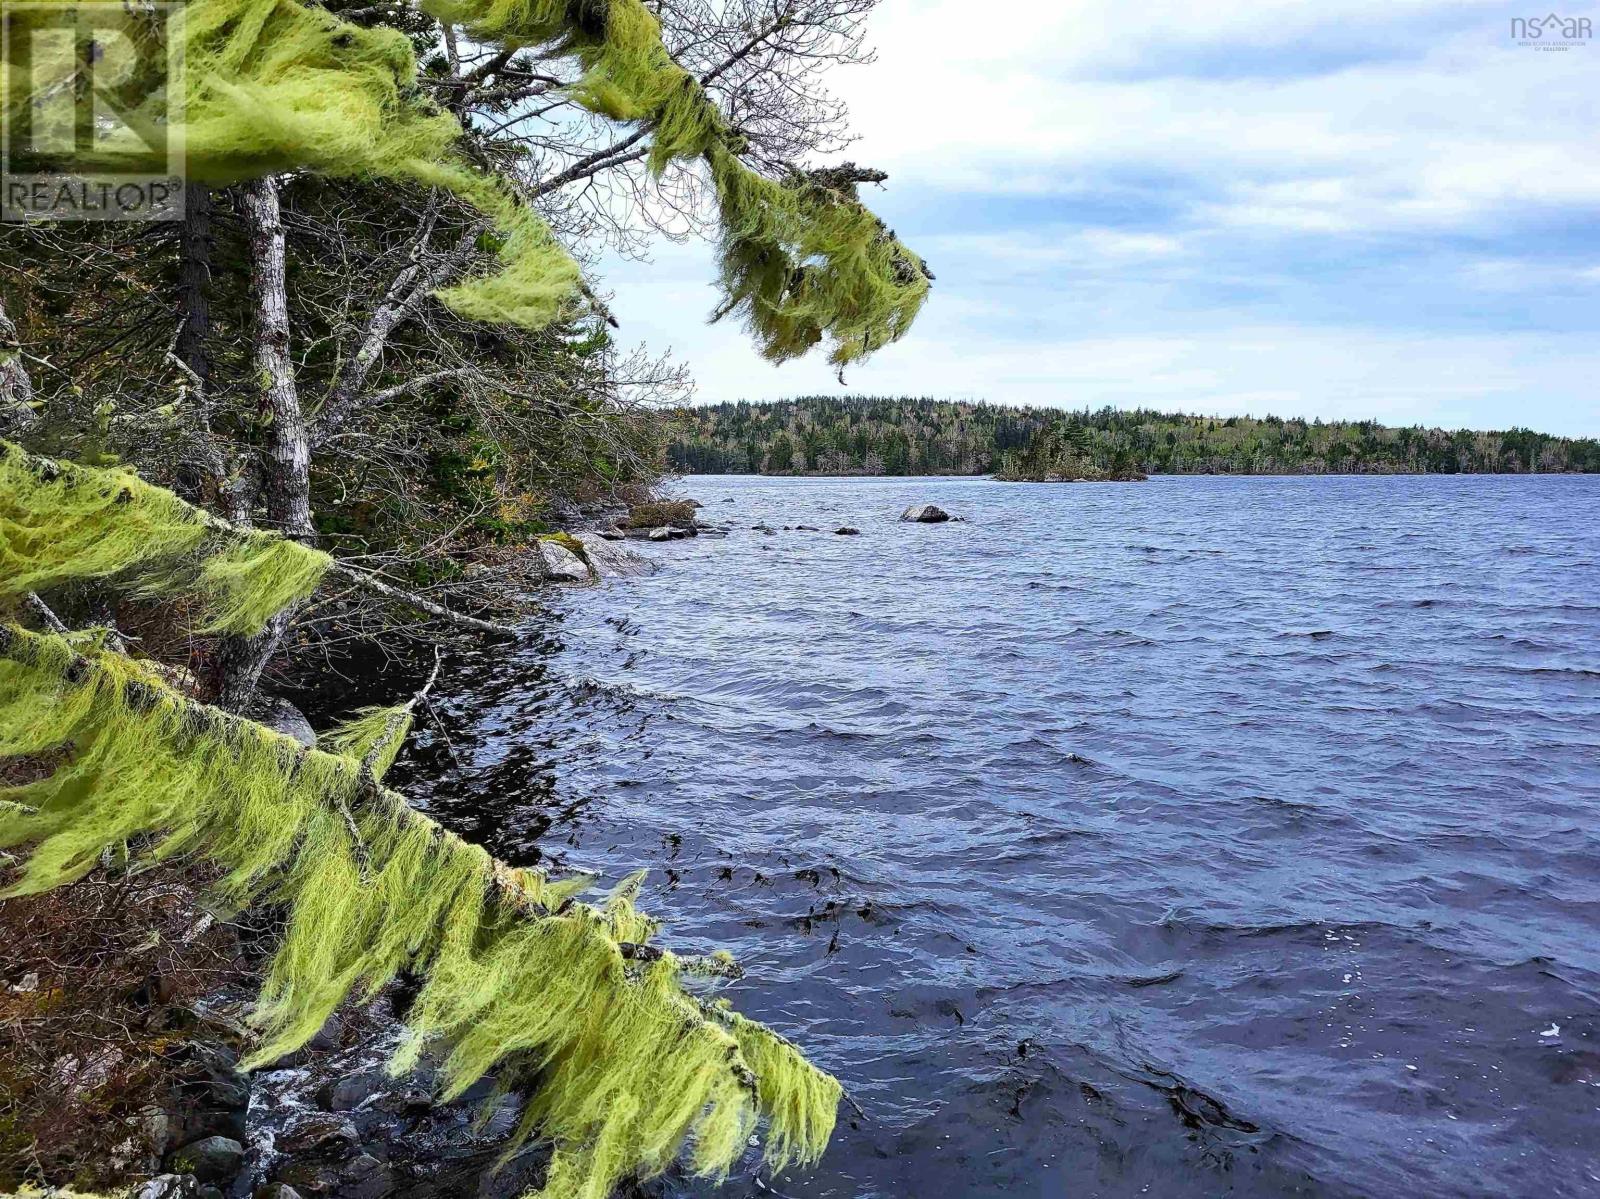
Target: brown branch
column 591, row 163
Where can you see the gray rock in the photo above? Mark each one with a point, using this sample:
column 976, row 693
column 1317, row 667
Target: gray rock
column 613, row 561
column 348, row 1093
column 365, row 1177
column 562, row 565
column 210, row 1159
column 284, row 717
column 316, row 1131
column 847, row 531
column 153, row 1129
column 661, row 534
column 925, row 514
column 671, row 533
column 277, row 1190
column 329, row 1035
column 169, row 1186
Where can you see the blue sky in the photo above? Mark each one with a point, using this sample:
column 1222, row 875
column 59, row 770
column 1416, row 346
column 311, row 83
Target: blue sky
column 1333, row 208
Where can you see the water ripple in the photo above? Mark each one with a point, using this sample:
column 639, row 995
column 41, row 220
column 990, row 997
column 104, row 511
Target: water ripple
column 1210, row 836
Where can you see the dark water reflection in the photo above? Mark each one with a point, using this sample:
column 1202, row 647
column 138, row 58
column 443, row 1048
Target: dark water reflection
column 1214, row 836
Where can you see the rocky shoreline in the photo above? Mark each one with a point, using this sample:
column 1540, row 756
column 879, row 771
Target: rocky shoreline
column 182, row 1120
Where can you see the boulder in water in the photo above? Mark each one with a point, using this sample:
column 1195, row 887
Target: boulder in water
column 847, row 531
column 925, row 514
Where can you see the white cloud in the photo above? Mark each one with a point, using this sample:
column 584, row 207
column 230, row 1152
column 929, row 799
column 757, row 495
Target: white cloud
column 1222, row 364
column 1346, row 209
column 1459, row 122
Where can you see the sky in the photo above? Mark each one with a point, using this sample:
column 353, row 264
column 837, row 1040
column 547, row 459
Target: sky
column 1324, row 208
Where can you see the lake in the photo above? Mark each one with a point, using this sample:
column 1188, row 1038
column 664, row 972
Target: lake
column 1206, row 836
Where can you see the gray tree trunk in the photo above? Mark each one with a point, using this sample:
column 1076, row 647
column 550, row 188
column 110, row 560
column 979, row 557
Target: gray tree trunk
column 286, row 463
column 16, row 388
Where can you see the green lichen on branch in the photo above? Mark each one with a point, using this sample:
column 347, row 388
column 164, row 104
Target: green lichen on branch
column 273, row 85
column 373, row 736
column 63, row 523
column 628, row 1070
column 802, row 260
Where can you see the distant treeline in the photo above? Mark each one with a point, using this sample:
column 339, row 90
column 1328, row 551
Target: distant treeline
column 870, row 435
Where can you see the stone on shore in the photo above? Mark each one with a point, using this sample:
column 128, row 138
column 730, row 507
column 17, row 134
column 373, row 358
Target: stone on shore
column 210, row 1159
column 925, row 514
column 610, row 560
column 562, row 565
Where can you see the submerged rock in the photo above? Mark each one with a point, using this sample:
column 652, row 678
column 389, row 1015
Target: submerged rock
column 925, row 514
column 846, row 531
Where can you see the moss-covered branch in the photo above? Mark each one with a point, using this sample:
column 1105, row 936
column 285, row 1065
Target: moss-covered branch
column 61, row 522
column 518, row 977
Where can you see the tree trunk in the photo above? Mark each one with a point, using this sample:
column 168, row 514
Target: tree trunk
column 286, row 463
column 16, row 388
column 286, row 466
column 194, row 273
column 205, row 476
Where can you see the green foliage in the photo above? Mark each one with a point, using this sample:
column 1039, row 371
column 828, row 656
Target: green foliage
column 631, row 1070
column 63, row 523
column 273, row 85
column 906, row 435
column 1062, row 452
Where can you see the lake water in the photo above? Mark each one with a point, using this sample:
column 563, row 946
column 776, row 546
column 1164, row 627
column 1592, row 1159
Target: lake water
column 1207, row 836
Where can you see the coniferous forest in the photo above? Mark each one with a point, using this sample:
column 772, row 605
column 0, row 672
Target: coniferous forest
column 891, row 435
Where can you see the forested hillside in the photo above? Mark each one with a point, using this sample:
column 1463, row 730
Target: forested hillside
column 893, row 435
